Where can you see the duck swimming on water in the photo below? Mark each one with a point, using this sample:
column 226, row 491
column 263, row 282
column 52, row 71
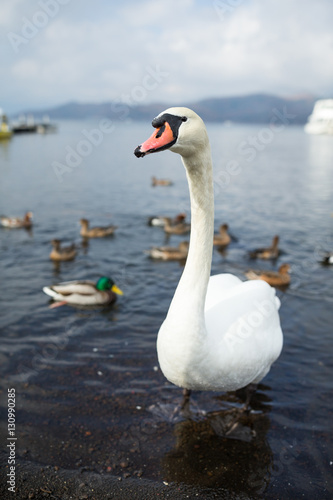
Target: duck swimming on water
column 271, row 252
column 95, row 232
column 223, row 238
column 169, row 253
column 84, row 292
column 280, row 278
column 17, row 222
column 60, row 253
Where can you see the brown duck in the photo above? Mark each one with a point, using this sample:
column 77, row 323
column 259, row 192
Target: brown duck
column 95, row 232
column 160, row 182
column 62, row 253
column 170, row 253
column 278, row 278
column 17, row 222
column 179, row 226
column 271, row 252
column 222, row 238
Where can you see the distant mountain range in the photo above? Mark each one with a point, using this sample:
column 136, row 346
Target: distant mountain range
column 255, row 108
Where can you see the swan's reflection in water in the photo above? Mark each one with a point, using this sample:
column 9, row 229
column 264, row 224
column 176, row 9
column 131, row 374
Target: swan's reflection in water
column 227, row 449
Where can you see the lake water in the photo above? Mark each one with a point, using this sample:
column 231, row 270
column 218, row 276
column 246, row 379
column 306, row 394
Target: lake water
column 89, row 393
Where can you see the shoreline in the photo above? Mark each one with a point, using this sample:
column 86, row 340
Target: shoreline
column 34, row 481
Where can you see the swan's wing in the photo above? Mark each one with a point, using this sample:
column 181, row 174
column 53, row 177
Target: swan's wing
column 244, row 329
column 255, row 298
column 218, row 286
column 223, row 286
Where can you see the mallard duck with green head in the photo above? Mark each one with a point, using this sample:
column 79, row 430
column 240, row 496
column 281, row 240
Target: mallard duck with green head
column 84, row 292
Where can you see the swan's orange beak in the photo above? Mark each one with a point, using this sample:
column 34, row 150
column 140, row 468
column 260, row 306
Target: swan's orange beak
column 162, row 138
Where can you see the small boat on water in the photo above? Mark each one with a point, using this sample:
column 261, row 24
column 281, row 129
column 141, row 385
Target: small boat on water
column 321, row 119
column 46, row 127
column 24, row 125
column 5, row 132
column 27, row 125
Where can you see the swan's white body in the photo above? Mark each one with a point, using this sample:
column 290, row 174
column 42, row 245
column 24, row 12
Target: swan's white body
column 220, row 333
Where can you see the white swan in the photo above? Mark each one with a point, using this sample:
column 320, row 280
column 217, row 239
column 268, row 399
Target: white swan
column 220, row 333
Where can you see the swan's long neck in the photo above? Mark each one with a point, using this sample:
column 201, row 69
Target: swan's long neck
column 189, row 298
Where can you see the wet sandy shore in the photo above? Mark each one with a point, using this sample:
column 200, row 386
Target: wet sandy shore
column 36, row 482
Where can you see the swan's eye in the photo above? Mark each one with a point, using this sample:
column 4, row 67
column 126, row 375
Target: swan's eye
column 184, row 118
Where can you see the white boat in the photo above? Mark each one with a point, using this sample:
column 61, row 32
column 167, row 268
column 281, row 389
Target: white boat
column 321, row 119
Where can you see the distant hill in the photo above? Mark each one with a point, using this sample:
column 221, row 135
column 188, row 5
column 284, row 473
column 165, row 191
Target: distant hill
column 256, row 108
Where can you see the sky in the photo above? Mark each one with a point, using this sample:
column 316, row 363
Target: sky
column 174, row 52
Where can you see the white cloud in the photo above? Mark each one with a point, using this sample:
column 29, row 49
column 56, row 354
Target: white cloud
column 97, row 54
column 26, row 69
column 9, row 12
